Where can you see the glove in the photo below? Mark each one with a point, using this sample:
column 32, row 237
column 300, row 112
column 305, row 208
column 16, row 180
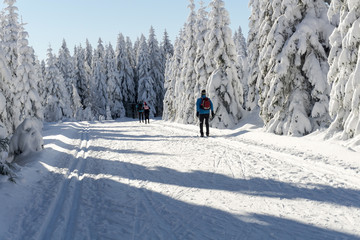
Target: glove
column 197, row 114
column 212, row 114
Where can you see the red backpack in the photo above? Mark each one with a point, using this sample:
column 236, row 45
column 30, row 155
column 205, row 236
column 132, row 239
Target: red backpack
column 205, row 104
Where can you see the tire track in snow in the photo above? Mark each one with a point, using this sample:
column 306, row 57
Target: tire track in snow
column 69, row 190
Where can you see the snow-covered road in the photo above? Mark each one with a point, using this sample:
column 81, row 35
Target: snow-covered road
column 125, row 180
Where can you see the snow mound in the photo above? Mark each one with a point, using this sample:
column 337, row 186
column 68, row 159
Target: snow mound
column 26, row 139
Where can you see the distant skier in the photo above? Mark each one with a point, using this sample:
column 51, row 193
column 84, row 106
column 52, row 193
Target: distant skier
column 146, row 112
column 140, row 109
column 203, row 107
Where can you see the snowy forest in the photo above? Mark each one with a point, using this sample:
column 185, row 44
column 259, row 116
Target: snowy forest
column 299, row 68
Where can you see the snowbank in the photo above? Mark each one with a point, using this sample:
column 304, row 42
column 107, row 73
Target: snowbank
column 26, row 139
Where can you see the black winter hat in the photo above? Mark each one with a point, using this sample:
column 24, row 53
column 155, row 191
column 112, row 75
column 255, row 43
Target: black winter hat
column 203, row 92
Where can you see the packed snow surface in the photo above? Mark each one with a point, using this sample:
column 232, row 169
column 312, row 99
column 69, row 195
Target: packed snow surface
column 126, row 180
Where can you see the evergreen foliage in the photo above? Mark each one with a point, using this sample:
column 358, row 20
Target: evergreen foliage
column 204, row 57
column 146, row 82
column 344, row 73
column 294, row 93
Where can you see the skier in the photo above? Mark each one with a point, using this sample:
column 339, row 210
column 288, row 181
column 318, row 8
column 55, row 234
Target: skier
column 140, row 109
column 203, row 107
column 146, row 112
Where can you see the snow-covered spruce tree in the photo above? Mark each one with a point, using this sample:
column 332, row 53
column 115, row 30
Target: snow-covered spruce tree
column 66, row 66
column 241, row 50
column 186, row 98
column 146, row 82
column 28, row 95
column 344, row 74
column 167, row 49
column 116, row 106
column 5, row 77
column 178, row 82
column 39, row 72
column 240, row 44
column 41, row 83
column 57, row 99
column 224, row 86
column 88, row 64
column 201, row 31
column 157, row 71
column 4, row 123
column 295, row 97
column 257, row 27
column 125, row 70
column 11, row 86
column 172, row 70
column 22, row 97
column 130, row 53
column 82, row 80
column 99, row 89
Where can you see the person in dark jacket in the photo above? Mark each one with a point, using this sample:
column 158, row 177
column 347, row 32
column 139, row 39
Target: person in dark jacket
column 203, row 108
column 146, row 112
column 140, row 109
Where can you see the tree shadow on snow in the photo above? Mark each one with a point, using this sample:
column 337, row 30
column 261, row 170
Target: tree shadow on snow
column 121, row 211
column 123, row 135
column 151, row 215
column 254, row 187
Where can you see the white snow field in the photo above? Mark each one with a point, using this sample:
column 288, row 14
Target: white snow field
column 126, row 180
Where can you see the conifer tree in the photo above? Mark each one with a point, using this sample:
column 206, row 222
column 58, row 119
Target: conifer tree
column 5, row 76
column 146, row 82
column 156, row 70
column 344, row 71
column 167, row 49
column 172, row 71
column 57, row 99
column 27, row 97
column 99, row 89
column 116, row 106
column 201, row 30
column 22, row 98
column 187, row 98
column 295, row 94
column 178, row 82
column 132, row 58
column 66, row 66
column 125, row 71
column 82, row 80
column 255, row 21
column 241, row 50
column 224, row 86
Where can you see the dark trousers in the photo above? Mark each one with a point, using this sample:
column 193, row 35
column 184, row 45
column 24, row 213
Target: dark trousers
column 147, row 114
column 141, row 116
column 206, row 118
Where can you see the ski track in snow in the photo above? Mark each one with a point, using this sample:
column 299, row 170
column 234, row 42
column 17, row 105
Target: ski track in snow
column 126, row 180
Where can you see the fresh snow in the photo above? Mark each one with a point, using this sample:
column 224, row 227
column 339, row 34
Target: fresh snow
column 125, row 180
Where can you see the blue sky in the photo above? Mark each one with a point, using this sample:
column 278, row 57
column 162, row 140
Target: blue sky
column 51, row 21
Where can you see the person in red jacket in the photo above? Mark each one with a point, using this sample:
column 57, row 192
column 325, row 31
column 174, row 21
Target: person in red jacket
column 146, row 112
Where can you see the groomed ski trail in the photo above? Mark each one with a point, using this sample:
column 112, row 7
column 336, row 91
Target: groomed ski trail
column 126, row 180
